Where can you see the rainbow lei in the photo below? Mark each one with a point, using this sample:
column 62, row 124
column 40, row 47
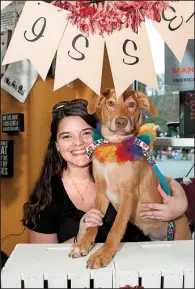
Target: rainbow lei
column 130, row 149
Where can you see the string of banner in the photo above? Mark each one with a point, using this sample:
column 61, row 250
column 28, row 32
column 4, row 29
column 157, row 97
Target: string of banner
column 44, row 29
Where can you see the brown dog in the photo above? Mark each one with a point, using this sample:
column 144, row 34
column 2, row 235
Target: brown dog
column 125, row 185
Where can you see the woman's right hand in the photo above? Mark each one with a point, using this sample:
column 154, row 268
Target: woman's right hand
column 92, row 218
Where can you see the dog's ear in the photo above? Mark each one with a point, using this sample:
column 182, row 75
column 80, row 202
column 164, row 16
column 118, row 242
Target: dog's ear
column 96, row 101
column 146, row 103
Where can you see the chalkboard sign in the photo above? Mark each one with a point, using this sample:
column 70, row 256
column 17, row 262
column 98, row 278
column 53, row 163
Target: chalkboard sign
column 13, row 122
column 7, row 155
column 187, row 113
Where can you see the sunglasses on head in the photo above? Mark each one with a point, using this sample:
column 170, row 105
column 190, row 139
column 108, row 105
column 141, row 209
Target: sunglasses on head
column 68, row 105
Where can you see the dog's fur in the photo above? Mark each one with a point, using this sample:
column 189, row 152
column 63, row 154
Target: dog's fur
column 126, row 185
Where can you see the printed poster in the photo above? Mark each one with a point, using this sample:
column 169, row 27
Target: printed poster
column 19, row 79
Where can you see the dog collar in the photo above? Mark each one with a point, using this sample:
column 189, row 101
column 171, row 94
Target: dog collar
column 134, row 141
column 90, row 149
column 145, row 137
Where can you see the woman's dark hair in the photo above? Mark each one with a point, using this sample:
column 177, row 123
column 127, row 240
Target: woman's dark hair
column 53, row 164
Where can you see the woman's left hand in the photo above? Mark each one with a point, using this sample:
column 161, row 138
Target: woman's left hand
column 171, row 208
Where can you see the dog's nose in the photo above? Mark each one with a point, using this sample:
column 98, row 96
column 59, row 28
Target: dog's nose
column 121, row 122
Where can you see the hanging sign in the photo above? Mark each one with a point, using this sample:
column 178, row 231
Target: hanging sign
column 187, row 113
column 180, row 76
column 13, row 122
column 7, row 155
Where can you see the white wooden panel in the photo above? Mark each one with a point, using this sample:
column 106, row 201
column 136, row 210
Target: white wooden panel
column 189, row 278
column 56, row 280
column 10, row 281
column 33, row 281
column 127, row 278
column 36, row 262
column 80, row 279
column 170, row 257
column 102, row 278
column 173, row 278
column 151, row 278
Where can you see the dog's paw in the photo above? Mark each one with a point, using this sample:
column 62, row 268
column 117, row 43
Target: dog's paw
column 99, row 259
column 80, row 249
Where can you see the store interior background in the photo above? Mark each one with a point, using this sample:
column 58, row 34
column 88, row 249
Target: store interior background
column 30, row 145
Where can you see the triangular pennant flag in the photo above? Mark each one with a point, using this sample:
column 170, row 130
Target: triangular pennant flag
column 37, row 35
column 130, row 58
column 79, row 56
column 173, row 26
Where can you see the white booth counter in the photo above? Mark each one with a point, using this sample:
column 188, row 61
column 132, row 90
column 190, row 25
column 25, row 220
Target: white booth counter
column 167, row 264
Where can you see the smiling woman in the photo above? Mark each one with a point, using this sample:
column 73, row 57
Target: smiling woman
column 61, row 206
column 72, row 137
column 66, row 176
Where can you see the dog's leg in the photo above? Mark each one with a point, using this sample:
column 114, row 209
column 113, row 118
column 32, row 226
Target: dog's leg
column 82, row 247
column 104, row 255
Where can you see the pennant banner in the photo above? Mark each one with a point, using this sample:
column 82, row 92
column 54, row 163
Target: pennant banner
column 176, row 26
column 130, row 58
column 37, row 35
column 80, row 57
column 43, row 29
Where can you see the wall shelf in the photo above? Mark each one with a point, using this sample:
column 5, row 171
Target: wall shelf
column 175, row 142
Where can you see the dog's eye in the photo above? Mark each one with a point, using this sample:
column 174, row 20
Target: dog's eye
column 111, row 103
column 131, row 104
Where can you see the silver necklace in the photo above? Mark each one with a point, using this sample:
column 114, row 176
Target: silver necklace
column 81, row 195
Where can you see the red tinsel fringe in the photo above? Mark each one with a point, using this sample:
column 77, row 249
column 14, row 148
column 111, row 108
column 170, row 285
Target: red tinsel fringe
column 107, row 16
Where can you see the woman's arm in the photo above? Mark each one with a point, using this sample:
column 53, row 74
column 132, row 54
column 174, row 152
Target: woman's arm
column 40, row 238
column 91, row 219
column 171, row 208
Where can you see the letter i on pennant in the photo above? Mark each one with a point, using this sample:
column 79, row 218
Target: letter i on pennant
column 36, row 37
